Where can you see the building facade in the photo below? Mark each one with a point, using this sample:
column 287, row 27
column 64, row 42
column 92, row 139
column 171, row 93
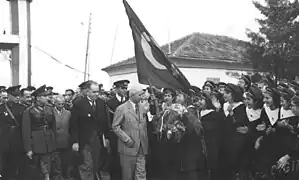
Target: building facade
column 200, row 57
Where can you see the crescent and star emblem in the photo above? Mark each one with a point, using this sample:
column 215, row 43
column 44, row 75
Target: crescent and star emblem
column 147, row 50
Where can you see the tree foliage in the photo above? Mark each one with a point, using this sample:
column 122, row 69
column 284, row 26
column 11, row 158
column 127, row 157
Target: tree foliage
column 275, row 47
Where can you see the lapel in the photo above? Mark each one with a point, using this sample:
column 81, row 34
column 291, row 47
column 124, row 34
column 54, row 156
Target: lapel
column 131, row 110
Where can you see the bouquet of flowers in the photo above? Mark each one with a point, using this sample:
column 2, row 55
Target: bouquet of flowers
column 169, row 123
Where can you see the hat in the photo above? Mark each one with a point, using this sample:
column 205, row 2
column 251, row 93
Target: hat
column 256, row 78
column 221, row 84
column 282, row 86
column 295, row 84
column 195, row 90
column 41, row 91
column 246, row 79
column 2, row 88
column 255, row 93
column 270, row 82
column 234, row 89
column 121, row 83
column 14, row 90
column 272, row 91
column 211, row 84
column 287, row 93
column 49, row 88
column 31, row 88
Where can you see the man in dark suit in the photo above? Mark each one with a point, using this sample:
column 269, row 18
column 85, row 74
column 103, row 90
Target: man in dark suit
column 87, row 125
column 119, row 98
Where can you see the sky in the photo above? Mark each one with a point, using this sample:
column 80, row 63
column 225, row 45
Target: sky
column 60, row 29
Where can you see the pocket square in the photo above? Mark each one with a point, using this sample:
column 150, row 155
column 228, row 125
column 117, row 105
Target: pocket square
column 89, row 115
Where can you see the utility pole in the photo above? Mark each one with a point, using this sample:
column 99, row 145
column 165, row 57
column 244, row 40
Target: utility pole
column 87, row 47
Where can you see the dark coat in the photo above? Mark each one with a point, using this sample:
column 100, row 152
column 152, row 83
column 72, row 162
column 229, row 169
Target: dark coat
column 236, row 141
column 212, row 128
column 84, row 122
column 11, row 138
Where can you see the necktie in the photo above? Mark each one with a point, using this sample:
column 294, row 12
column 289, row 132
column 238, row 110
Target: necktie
column 122, row 99
column 93, row 106
column 136, row 109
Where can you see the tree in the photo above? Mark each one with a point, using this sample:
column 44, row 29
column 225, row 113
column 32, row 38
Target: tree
column 275, row 48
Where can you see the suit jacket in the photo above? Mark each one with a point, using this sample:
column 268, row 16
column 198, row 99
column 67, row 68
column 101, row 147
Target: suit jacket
column 85, row 123
column 62, row 128
column 129, row 125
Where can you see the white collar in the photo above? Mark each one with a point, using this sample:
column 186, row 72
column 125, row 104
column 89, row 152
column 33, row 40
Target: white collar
column 205, row 112
column 226, row 105
column 285, row 113
column 273, row 115
column 132, row 103
column 118, row 97
column 253, row 114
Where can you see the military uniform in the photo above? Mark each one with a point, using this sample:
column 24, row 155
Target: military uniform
column 113, row 160
column 39, row 133
column 12, row 154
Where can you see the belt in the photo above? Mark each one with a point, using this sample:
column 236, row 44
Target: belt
column 41, row 128
column 12, row 126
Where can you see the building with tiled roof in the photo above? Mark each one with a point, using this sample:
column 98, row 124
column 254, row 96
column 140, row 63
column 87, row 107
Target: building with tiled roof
column 199, row 56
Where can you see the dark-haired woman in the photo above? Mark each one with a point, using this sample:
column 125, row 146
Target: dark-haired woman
column 291, row 154
column 237, row 128
column 266, row 143
column 254, row 104
column 211, row 121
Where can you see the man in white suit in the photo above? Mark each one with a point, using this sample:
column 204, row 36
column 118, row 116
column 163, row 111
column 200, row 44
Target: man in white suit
column 129, row 124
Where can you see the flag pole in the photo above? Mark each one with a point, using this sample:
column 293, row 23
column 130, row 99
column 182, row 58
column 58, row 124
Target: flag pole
column 152, row 93
column 87, row 47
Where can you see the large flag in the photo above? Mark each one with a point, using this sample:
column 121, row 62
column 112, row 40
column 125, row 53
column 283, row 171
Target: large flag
column 153, row 66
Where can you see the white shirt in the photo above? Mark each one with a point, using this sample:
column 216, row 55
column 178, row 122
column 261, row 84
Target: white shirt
column 253, row 114
column 91, row 101
column 133, row 104
column 285, row 113
column 118, row 97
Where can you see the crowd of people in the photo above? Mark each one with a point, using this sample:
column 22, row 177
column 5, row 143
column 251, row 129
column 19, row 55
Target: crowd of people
column 222, row 131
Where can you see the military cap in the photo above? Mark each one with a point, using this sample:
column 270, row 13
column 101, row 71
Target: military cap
column 14, row 90
column 246, row 79
column 121, row 83
column 41, row 91
column 256, row 78
column 31, row 88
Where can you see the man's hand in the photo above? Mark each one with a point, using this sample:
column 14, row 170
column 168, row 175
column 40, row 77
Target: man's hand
column 130, row 143
column 30, row 154
column 75, row 147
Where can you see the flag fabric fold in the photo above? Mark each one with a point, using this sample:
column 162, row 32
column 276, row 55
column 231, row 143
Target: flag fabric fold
column 153, row 66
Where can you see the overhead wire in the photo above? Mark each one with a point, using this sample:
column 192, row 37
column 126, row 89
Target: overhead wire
column 56, row 60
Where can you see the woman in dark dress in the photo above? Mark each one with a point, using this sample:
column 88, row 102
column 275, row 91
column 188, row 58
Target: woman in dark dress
column 266, row 143
column 254, row 104
column 237, row 128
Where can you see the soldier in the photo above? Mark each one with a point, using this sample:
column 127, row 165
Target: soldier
column 26, row 98
column 12, row 149
column 14, row 93
column 39, row 131
column 119, row 98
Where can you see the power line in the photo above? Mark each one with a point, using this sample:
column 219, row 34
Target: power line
column 55, row 59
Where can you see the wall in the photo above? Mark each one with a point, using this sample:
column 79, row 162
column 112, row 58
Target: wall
column 5, row 70
column 195, row 76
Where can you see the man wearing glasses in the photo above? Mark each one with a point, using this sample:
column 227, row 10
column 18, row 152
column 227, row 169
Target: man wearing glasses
column 87, row 125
